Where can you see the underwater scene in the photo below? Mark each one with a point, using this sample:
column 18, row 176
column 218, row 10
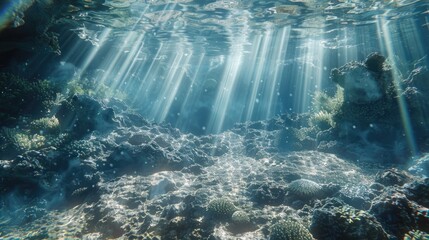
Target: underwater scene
column 214, row 119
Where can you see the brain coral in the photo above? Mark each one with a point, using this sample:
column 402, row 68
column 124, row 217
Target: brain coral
column 289, row 230
column 304, row 189
column 221, row 208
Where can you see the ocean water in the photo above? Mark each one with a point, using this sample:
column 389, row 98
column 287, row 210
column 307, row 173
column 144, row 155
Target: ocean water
column 214, row 119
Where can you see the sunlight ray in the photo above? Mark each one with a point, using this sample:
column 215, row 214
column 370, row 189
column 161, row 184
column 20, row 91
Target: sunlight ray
column 309, row 73
column 261, row 58
column 387, row 29
column 272, row 91
column 121, row 77
column 171, row 84
column 191, row 95
column 94, row 50
column 112, row 60
column 225, row 89
column 150, row 76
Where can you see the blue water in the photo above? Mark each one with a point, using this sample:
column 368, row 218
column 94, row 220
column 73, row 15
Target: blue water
column 203, row 66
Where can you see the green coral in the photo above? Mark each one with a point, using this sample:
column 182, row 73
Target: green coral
column 22, row 140
column 85, row 86
column 37, row 134
column 289, row 230
column 322, row 120
column 49, row 125
column 324, row 108
column 323, row 102
column 221, row 208
column 350, row 215
column 416, row 235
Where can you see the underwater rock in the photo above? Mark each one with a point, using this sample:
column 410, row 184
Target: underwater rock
column 82, row 114
column 145, row 159
column 361, row 84
column 367, row 123
column 267, row 193
column 162, row 187
column 392, row 177
column 375, row 62
column 80, row 183
column 418, row 191
column 33, row 172
column 395, row 213
column 420, row 166
column 357, row 195
column 345, row 222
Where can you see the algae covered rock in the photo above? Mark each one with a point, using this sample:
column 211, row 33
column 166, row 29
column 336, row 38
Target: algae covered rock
column 418, row 191
column 395, row 213
column 392, row 177
column 345, row 222
column 82, row 114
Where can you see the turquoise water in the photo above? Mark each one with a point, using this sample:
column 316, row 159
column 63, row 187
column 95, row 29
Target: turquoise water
column 205, row 65
column 214, row 119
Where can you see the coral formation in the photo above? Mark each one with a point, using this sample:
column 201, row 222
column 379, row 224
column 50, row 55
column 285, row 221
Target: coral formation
column 304, row 189
column 416, row 235
column 289, row 230
column 221, row 208
column 345, row 222
column 395, row 213
column 23, row 97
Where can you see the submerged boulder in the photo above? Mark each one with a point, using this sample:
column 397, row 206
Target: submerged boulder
column 363, row 82
column 395, row 213
column 82, row 114
column 368, row 123
column 334, row 220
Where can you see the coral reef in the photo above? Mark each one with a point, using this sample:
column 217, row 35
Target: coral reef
column 81, row 114
column 129, row 178
column 395, row 213
column 24, row 97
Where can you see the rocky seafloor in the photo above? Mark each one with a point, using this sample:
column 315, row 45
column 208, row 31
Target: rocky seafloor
column 132, row 179
column 97, row 170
